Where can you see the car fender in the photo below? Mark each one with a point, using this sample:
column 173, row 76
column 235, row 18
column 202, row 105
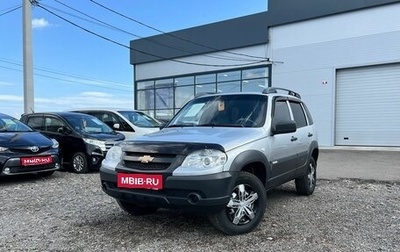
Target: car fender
column 251, row 156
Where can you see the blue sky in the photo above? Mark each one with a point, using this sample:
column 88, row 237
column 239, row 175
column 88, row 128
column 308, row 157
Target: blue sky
column 75, row 69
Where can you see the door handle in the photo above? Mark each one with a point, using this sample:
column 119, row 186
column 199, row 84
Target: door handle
column 293, row 139
column 310, row 134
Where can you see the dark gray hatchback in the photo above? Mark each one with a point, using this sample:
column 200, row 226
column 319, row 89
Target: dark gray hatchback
column 84, row 139
column 24, row 151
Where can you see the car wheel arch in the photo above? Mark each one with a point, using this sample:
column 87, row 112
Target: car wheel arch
column 254, row 162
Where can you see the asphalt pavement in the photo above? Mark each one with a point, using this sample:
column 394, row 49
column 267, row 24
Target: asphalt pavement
column 380, row 164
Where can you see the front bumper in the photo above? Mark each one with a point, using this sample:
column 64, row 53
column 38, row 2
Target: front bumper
column 13, row 166
column 206, row 193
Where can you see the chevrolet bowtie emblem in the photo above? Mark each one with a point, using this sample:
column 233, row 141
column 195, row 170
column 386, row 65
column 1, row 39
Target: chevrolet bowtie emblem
column 146, row 158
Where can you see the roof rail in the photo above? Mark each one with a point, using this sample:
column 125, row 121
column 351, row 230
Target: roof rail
column 270, row 90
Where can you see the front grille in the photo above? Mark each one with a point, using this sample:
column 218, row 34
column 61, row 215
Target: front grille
column 146, row 167
column 33, row 168
column 148, row 162
column 26, row 150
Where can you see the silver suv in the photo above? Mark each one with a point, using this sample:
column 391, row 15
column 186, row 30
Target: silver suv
column 218, row 155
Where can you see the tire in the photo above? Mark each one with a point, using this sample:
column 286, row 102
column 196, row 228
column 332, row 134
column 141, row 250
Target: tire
column 79, row 163
column 46, row 174
column 136, row 210
column 305, row 185
column 248, row 189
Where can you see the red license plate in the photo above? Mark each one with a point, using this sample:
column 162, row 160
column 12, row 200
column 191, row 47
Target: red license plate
column 143, row 181
column 36, row 161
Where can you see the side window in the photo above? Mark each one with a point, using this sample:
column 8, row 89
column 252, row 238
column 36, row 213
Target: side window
column 298, row 114
column 52, row 124
column 35, row 122
column 95, row 114
column 108, row 119
column 309, row 117
column 115, row 119
column 123, row 124
column 281, row 111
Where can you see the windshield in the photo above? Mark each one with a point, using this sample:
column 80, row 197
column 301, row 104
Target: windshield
column 226, row 110
column 140, row 119
column 10, row 124
column 88, row 124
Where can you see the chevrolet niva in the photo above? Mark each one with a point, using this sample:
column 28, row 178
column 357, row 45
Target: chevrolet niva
column 219, row 154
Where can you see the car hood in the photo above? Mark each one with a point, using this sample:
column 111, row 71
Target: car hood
column 227, row 137
column 105, row 136
column 21, row 139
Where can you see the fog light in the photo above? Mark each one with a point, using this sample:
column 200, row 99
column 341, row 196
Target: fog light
column 57, row 166
column 7, row 170
column 94, row 160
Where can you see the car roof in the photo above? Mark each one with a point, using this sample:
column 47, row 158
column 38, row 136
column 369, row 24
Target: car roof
column 5, row 115
column 104, row 109
column 59, row 113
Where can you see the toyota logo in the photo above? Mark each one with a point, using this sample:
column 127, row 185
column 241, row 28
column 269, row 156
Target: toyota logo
column 34, row 148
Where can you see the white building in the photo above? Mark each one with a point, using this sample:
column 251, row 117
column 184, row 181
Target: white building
column 342, row 56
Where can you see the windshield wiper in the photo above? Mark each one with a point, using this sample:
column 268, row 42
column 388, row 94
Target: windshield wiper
column 182, row 125
column 220, row 125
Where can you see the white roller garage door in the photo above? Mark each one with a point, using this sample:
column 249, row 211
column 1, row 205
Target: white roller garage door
column 368, row 106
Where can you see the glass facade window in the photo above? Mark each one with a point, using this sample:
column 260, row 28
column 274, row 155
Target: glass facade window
column 162, row 98
column 164, row 114
column 145, row 84
column 206, row 78
column 256, row 85
column 164, row 83
column 145, row 99
column 255, row 73
column 205, row 88
column 228, row 87
column 228, row 76
column 183, row 95
column 184, row 81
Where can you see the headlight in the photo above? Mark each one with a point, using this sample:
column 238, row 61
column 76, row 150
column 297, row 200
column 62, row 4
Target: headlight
column 3, row 149
column 113, row 157
column 55, row 143
column 202, row 162
column 101, row 144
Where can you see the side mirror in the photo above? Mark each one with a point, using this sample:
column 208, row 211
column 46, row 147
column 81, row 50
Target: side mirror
column 282, row 127
column 116, row 126
column 162, row 125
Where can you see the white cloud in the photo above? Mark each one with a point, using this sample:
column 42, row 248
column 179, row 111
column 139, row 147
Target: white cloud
column 95, row 94
column 83, row 100
column 39, row 23
column 10, row 98
column 3, row 83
